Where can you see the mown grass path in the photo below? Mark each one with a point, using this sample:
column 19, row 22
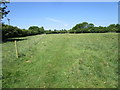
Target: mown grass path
column 62, row 61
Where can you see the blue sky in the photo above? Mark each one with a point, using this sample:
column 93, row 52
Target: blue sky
column 64, row 0
column 62, row 15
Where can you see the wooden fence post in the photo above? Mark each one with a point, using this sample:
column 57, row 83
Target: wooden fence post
column 16, row 49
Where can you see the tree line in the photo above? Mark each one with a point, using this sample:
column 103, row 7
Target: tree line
column 9, row 31
column 90, row 28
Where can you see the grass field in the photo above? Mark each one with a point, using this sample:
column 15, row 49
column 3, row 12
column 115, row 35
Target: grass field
column 62, row 61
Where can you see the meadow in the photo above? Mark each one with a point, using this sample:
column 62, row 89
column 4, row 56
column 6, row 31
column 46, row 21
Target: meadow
column 61, row 61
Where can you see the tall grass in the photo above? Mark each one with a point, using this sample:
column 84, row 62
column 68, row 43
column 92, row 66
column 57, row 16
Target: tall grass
column 62, row 61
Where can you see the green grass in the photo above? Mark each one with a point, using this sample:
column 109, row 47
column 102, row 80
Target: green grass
column 62, row 61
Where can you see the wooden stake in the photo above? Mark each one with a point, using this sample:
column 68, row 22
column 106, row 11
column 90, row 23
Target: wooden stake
column 16, row 49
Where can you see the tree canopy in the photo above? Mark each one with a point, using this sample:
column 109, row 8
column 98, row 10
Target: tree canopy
column 3, row 8
column 12, row 31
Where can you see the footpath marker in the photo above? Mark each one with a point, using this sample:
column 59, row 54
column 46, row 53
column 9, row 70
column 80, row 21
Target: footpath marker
column 16, row 49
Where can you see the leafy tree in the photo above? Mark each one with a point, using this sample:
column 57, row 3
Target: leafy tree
column 91, row 25
column 10, row 31
column 3, row 13
column 82, row 27
column 3, row 8
column 41, row 30
column 36, row 30
column 118, row 27
column 113, row 27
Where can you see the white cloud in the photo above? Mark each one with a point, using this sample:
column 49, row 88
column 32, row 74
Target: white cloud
column 53, row 20
column 65, row 25
column 56, row 21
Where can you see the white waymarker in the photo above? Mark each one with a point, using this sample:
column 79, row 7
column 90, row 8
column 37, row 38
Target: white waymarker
column 16, row 49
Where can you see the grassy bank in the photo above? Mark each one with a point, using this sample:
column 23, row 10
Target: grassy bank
column 62, row 61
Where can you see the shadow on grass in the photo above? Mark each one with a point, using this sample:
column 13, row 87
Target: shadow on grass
column 11, row 40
